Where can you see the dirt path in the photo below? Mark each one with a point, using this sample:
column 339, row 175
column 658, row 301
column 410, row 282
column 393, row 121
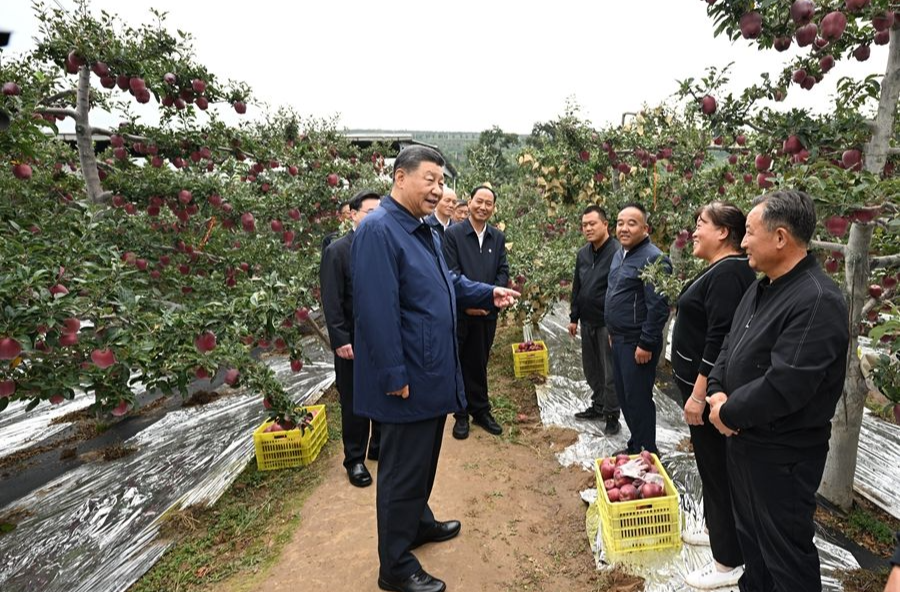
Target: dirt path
column 523, row 523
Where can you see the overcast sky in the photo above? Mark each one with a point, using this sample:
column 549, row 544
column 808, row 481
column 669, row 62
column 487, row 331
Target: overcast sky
column 456, row 66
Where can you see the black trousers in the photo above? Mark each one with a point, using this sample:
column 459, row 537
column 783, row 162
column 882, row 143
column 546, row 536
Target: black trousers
column 355, row 429
column 709, row 452
column 596, row 360
column 406, row 471
column 774, row 504
column 634, row 387
column 475, row 336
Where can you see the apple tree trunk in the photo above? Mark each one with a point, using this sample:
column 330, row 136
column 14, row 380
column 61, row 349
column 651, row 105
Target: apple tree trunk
column 84, row 140
column 840, row 468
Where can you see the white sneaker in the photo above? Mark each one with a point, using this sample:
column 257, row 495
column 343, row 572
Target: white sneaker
column 709, row 577
column 696, row 538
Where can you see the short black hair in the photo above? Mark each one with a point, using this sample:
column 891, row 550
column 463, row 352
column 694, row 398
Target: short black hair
column 475, row 190
column 595, row 208
column 462, row 202
column 792, row 209
column 361, row 196
column 411, row 157
column 341, row 205
column 637, row 206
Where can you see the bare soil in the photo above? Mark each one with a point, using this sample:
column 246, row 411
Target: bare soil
column 523, row 524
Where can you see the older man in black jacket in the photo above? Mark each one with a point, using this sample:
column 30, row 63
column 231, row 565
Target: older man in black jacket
column 336, row 284
column 774, row 390
column 477, row 250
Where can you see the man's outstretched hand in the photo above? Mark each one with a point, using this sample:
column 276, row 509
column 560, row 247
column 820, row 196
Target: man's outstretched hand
column 504, row 297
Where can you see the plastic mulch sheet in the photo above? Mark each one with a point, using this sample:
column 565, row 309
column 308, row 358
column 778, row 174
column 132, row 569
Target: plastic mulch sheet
column 566, row 392
column 95, row 528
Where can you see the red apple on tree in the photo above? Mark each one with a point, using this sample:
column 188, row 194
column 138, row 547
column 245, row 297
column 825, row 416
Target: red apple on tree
column 205, row 342
column 231, row 376
column 7, row 388
column 708, row 105
column 240, row 107
column 9, row 348
column 296, row 365
column 806, row 34
column 833, row 25
column 862, row 53
column 875, row 291
column 103, row 358
column 837, row 226
column 21, row 171
column 883, row 21
column 11, row 89
column 802, row 11
column 332, row 180
column 763, row 162
column 751, row 25
column 852, row 159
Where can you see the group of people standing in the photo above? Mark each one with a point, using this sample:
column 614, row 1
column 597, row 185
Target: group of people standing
column 760, row 365
column 411, row 299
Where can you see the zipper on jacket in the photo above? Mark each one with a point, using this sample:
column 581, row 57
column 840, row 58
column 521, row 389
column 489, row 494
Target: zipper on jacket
column 634, row 309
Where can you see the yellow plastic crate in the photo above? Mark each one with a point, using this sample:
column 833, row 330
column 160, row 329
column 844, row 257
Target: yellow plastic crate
column 639, row 525
column 526, row 363
column 290, row 448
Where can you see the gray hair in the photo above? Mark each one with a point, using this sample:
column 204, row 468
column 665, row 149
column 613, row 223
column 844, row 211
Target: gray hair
column 791, row 209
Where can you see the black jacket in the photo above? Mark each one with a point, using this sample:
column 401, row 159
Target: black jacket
column 635, row 312
column 705, row 309
column 783, row 365
column 336, row 284
column 480, row 264
column 590, row 282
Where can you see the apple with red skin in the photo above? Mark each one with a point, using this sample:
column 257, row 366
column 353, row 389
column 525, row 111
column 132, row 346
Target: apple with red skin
column 792, row 145
column 247, row 222
column 875, row 291
column 833, row 25
column 201, row 373
column 21, row 171
column 332, row 179
column 732, row 159
column 294, row 213
column 826, row 63
column 9, row 348
column 584, row 155
column 296, row 365
column 889, row 282
column 121, row 409
column 103, row 358
column 808, row 83
column 751, row 25
column 231, row 376
column 883, row 22
column 831, row 265
column 856, row 5
column 205, row 342
column 609, row 484
column 882, row 37
column 837, row 226
column 651, row 490
column 613, row 494
column 627, row 492
column 7, row 388
column 708, row 105
column 762, row 179
column 852, row 159
column 292, row 170
column 198, row 86
column 70, row 325
column 240, row 107
column 68, row 339
column 806, row 34
column 781, row 43
column 302, row 314
column 202, row 103
column 141, row 264
column 11, row 89
column 59, row 290
column 802, row 11
column 799, row 75
column 607, row 468
column 741, row 140
column 763, row 162
column 862, row 53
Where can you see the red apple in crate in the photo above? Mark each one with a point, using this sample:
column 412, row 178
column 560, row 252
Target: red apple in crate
column 650, row 490
column 613, row 494
column 627, row 492
column 607, row 467
column 609, row 484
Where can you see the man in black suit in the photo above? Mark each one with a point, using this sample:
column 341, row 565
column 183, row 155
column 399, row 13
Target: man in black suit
column 477, row 250
column 442, row 216
column 343, row 214
column 337, row 302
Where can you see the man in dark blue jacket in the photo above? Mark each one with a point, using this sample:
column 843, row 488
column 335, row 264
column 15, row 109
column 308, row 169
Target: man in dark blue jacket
column 773, row 392
column 442, row 216
column 406, row 369
column 635, row 316
column 477, row 250
column 337, row 302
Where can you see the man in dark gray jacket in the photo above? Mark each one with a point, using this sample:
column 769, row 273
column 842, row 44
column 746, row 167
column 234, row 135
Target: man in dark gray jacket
column 635, row 316
column 774, row 390
column 587, row 306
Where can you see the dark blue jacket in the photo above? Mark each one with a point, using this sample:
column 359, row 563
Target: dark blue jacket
column 635, row 313
column 336, row 285
column 486, row 263
column 405, row 300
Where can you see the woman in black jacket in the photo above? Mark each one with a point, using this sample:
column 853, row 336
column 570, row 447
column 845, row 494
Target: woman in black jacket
column 705, row 310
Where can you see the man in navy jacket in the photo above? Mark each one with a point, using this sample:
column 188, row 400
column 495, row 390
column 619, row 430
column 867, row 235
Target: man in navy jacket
column 477, row 250
column 635, row 316
column 337, row 303
column 442, row 216
column 406, row 370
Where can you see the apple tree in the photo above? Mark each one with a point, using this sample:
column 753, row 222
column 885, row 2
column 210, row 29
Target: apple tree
column 171, row 254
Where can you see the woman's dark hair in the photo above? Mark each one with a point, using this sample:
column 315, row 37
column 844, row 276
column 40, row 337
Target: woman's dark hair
column 728, row 216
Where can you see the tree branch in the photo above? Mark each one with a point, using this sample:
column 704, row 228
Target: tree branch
column 57, row 96
column 56, row 111
column 885, row 261
column 827, row 246
column 131, row 138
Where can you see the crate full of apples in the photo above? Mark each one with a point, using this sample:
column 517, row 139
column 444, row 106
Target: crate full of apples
column 530, row 357
column 638, row 503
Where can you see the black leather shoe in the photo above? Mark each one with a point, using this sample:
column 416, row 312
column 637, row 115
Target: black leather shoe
column 441, row 531
column 612, row 426
column 359, row 475
column 421, row 581
column 486, row 420
column 589, row 413
column 461, row 429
